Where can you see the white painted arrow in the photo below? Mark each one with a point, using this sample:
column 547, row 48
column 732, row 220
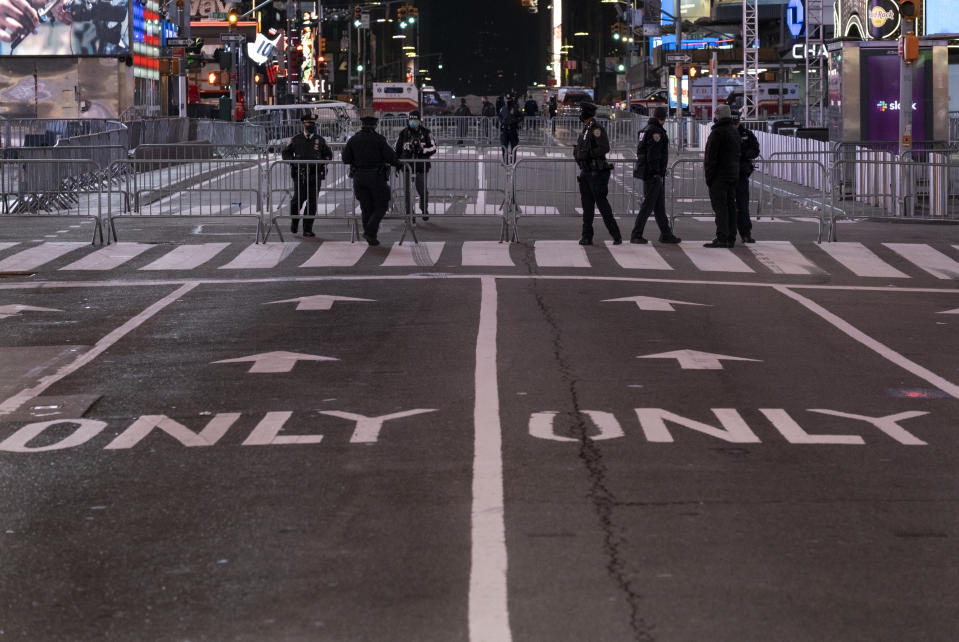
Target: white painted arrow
column 15, row 309
column 956, row 311
column 652, row 303
column 317, row 302
column 275, row 361
column 695, row 360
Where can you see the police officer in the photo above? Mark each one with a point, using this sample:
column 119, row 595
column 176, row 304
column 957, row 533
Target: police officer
column 307, row 177
column 748, row 152
column 369, row 157
column 416, row 143
column 590, row 155
column 652, row 161
column 721, row 165
column 510, row 118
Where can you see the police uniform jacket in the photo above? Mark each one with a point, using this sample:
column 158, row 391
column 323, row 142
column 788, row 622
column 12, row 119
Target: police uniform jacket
column 652, row 153
column 416, row 144
column 748, row 151
column 592, row 147
column 721, row 161
column 306, row 148
column 368, row 151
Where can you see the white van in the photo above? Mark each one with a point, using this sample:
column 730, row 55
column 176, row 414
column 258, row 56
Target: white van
column 334, row 121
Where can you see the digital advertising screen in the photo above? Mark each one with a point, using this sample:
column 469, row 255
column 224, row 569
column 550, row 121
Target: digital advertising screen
column 65, row 27
column 941, row 17
column 880, row 96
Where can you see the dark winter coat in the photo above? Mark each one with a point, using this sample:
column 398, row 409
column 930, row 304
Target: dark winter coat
column 652, row 153
column 721, row 161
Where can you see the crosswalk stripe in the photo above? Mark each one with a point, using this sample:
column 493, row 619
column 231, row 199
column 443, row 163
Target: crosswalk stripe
column 260, row 256
column 714, row 259
column 487, row 253
column 36, row 256
column 781, row 257
column 413, row 254
column 336, row 254
column 929, row 259
column 860, row 260
column 560, row 254
column 186, row 257
column 638, row 257
column 109, row 257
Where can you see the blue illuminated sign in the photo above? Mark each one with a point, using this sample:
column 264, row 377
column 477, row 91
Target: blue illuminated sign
column 795, row 17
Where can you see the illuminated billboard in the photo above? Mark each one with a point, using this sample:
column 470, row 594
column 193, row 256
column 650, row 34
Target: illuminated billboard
column 66, row 28
column 879, row 110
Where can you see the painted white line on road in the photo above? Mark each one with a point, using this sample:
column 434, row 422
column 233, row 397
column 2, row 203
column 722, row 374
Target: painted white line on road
column 931, row 260
column 488, row 608
column 261, row 256
column 782, row 257
column 560, row 254
column 336, row 254
column 860, row 260
column 109, row 257
column 480, row 192
column 4, row 246
column 637, row 257
column 187, row 257
column 414, row 254
column 487, row 253
column 710, row 259
column 17, row 400
column 882, row 350
column 36, row 256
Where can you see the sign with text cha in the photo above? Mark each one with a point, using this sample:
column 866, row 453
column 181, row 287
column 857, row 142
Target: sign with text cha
column 795, row 17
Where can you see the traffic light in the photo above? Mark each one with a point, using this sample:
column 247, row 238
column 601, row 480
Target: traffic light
column 232, row 17
column 323, row 66
column 212, row 78
column 910, row 9
column 322, row 44
column 414, row 12
column 401, row 13
column 614, row 29
column 621, row 68
column 357, row 12
column 224, row 58
column 693, row 71
column 194, row 54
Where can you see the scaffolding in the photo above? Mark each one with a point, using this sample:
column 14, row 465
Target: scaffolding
column 815, row 47
column 751, row 58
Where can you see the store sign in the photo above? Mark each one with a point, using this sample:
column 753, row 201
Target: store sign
column 795, row 17
column 799, row 51
column 882, row 19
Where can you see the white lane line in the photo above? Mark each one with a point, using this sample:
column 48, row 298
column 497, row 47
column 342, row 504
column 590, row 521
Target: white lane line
column 38, row 255
column 414, row 254
column 482, row 210
column 637, row 257
column 539, row 210
column 4, row 246
column 560, row 254
column 17, row 400
column 488, row 607
column 336, row 254
column 882, row 350
column 480, row 192
column 931, row 260
column 860, row 260
column 109, row 257
column 782, row 257
column 488, row 253
column 261, row 256
column 187, row 257
column 710, row 259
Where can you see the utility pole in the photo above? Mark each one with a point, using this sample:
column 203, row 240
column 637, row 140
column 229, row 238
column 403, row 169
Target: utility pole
column 678, row 23
column 909, row 54
column 184, row 32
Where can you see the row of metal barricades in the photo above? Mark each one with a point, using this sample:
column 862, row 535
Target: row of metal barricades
column 531, row 182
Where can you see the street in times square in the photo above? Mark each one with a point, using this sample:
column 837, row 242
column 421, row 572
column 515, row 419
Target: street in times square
column 232, row 409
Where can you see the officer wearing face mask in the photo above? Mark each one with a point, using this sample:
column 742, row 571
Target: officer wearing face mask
column 415, row 143
column 307, row 177
column 594, row 171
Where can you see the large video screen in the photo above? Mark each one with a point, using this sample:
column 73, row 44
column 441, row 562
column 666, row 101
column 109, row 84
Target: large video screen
column 880, row 105
column 941, row 17
column 64, row 27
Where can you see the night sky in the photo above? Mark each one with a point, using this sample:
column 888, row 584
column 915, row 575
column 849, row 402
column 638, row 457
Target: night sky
column 489, row 47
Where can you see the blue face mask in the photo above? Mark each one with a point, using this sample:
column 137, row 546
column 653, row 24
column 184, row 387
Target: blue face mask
column 414, row 124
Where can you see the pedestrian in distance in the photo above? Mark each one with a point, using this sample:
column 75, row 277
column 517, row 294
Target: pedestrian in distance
column 461, row 125
column 652, row 162
column 594, row 171
column 721, row 165
column 500, row 103
column 510, row 118
column 308, row 145
column 748, row 152
column 488, row 112
column 531, row 111
column 415, row 143
column 552, row 107
column 370, row 157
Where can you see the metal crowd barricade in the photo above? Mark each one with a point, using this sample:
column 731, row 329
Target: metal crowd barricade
column 457, row 187
column 795, row 189
column 335, row 198
column 50, row 188
column 46, row 132
column 550, row 187
column 178, row 188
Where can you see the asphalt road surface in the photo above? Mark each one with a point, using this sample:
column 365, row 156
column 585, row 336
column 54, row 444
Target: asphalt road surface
column 202, row 438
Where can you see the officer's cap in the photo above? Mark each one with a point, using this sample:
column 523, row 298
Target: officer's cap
column 415, row 114
column 588, row 109
column 660, row 113
column 308, row 118
column 369, row 121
